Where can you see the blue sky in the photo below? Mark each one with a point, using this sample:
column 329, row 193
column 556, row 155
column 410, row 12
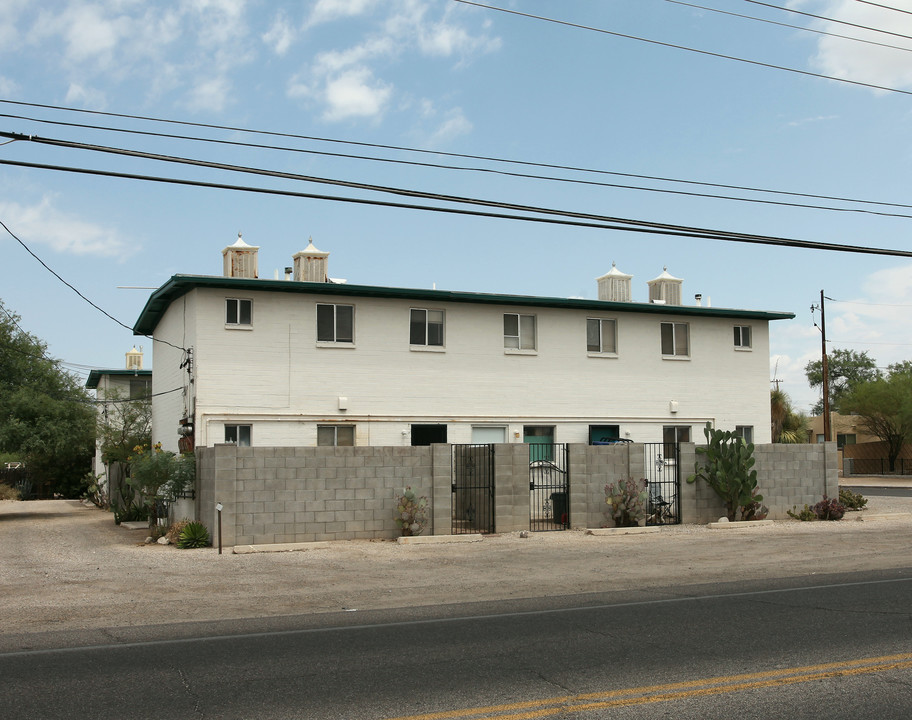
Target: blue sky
column 450, row 77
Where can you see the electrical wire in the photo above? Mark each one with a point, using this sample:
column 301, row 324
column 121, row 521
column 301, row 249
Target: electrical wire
column 639, row 226
column 386, row 188
column 793, row 27
column 827, row 19
column 622, row 186
column 675, row 46
column 441, row 153
column 885, row 7
column 74, row 289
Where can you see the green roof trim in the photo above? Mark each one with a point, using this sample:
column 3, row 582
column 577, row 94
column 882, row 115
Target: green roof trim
column 180, row 285
column 95, row 375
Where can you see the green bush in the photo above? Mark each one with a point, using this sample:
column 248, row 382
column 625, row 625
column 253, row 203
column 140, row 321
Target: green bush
column 804, row 515
column 852, row 501
column 194, row 535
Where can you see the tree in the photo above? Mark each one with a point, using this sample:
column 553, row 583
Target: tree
column 46, row 416
column 788, row 425
column 846, row 370
column 885, row 408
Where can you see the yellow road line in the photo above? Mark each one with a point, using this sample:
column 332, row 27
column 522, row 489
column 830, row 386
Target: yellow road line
column 674, row 691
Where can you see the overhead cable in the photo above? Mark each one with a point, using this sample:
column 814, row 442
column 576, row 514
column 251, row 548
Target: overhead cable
column 630, row 226
column 675, row 46
column 829, row 19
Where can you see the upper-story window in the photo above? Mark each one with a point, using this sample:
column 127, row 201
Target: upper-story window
column 140, row 388
column 426, row 327
column 743, row 337
column 238, row 434
column 601, row 335
column 675, row 339
column 519, row 331
column 335, row 323
column 238, row 312
column 338, row 435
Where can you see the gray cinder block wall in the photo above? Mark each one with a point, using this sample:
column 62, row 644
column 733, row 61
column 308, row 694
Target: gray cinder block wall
column 302, row 494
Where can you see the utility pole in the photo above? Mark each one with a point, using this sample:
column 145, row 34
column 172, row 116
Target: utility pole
column 827, row 435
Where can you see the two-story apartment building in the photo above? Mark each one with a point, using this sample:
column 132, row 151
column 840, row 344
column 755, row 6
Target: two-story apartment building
column 308, row 361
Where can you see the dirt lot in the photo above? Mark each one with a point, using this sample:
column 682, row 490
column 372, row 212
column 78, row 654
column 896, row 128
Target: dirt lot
column 65, row 566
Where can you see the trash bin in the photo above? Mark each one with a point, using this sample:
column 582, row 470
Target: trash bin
column 560, row 510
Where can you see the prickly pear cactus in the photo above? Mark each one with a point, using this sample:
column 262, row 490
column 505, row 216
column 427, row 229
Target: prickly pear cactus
column 626, row 500
column 726, row 468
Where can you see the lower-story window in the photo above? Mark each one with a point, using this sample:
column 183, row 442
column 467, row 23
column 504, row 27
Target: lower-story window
column 338, row 435
column 671, row 436
column 238, row 434
column 745, row 432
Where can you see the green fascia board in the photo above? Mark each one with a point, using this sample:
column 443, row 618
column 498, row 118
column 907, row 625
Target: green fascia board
column 180, row 285
column 96, row 375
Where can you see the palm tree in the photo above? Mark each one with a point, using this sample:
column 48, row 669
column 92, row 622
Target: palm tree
column 788, row 425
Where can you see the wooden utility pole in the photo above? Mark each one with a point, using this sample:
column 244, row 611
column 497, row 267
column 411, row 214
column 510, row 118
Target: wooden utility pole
column 827, row 435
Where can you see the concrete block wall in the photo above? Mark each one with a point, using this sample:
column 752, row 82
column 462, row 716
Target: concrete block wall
column 303, row 494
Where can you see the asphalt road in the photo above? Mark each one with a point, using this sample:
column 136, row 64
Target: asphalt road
column 835, row 646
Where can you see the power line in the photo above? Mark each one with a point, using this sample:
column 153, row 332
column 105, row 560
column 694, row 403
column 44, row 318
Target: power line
column 829, row 19
column 606, row 224
column 674, row 46
column 522, row 163
column 72, row 287
column 371, row 187
column 788, row 25
column 885, row 7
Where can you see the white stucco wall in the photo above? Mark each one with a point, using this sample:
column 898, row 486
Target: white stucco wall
column 276, row 377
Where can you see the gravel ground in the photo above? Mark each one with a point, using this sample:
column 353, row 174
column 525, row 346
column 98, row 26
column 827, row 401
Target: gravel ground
column 66, row 566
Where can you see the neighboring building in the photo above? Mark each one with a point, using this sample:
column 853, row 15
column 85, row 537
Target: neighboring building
column 308, row 361
column 131, row 383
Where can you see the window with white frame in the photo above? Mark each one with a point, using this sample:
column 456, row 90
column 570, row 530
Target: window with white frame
column 745, row 432
column 336, row 435
column 743, row 337
column 238, row 311
column 335, row 323
column 519, row 331
column 426, row 327
column 675, row 339
column 601, row 335
column 238, row 434
column 672, row 435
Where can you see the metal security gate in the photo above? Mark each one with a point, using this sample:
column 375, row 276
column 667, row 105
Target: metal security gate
column 663, row 463
column 549, row 487
column 473, row 489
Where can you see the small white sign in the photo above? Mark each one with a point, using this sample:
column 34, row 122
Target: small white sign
column 218, row 506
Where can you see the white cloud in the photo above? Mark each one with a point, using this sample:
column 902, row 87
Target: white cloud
column 355, row 93
column 44, row 224
column 8, row 87
column 209, row 94
column 280, row 35
column 329, row 10
column 454, row 125
column 85, row 97
column 861, row 62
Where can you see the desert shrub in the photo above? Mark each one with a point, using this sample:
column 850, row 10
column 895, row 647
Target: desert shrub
column 754, row 510
column 193, row 535
column 411, row 512
column 829, row 509
column 804, row 515
column 174, row 531
column 8, row 493
column 851, row 500
column 727, row 469
column 626, row 500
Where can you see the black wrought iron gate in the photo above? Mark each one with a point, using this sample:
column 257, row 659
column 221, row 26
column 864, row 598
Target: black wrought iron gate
column 549, row 487
column 663, row 463
column 473, row 489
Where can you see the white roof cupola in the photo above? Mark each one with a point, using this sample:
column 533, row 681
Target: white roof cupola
column 665, row 289
column 134, row 359
column 240, row 260
column 614, row 285
column 310, row 264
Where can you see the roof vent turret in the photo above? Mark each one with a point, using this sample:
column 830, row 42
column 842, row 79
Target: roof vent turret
column 310, row 264
column 240, row 260
column 665, row 289
column 614, row 285
column 134, row 359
